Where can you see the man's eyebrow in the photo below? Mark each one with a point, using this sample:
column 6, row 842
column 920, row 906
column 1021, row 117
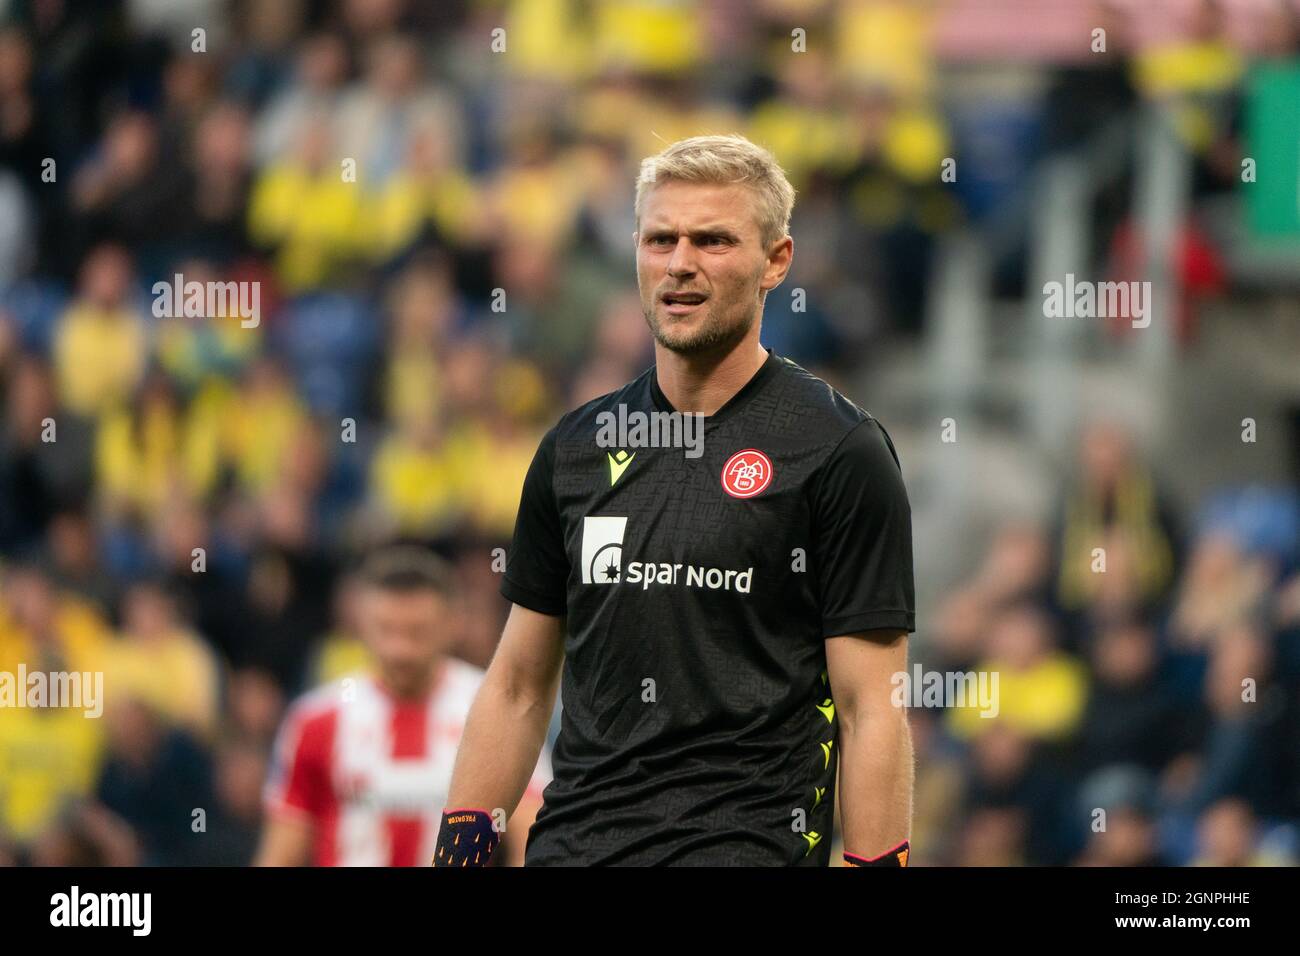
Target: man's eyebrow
column 710, row 230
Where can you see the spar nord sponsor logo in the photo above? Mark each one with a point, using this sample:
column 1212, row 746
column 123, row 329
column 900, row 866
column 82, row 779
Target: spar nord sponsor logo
column 602, row 563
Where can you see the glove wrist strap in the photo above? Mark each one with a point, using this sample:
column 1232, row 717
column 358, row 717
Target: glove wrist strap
column 897, row 856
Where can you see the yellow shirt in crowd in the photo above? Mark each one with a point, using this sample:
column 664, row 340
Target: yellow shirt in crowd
column 169, row 452
column 99, row 358
column 310, row 218
column 1044, row 701
column 49, row 755
column 177, row 676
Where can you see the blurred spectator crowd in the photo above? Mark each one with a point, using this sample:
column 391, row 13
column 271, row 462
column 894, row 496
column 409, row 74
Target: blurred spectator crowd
column 181, row 499
column 1157, row 681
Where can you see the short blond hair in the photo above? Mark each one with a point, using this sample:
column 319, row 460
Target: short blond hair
column 724, row 159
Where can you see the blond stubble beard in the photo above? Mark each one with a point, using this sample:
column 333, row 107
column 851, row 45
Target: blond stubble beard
column 713, row 333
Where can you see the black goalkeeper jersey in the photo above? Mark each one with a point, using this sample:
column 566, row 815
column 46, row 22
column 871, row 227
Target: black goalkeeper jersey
column 697, row 724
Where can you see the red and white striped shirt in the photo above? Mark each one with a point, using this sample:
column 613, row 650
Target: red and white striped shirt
column 371, row 771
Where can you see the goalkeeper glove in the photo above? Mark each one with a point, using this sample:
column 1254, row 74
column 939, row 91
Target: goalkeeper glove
column 466, row 838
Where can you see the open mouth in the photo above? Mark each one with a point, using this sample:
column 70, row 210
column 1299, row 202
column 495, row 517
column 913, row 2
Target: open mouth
column 680, row 303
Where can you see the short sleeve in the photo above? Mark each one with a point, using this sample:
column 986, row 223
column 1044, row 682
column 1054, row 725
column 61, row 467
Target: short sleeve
column 537, row 567
column 862, row 536
column 298, row 782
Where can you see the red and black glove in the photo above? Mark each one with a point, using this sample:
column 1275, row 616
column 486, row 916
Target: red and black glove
column 466, row 838
column 895, row 857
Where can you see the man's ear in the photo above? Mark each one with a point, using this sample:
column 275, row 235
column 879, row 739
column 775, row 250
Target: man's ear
column 779, row 259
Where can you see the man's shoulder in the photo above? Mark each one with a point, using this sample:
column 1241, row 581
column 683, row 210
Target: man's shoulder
column 311, row 719
column 809, row 405
column 795, row 402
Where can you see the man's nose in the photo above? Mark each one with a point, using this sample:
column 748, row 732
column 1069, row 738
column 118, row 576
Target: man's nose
column 682, row 261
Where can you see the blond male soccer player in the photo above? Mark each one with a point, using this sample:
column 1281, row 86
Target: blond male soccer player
column 726, row 619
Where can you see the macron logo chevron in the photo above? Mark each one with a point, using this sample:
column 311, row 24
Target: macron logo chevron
column 618, row 464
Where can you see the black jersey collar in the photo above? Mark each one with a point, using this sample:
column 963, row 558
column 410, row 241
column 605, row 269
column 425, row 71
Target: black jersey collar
column 746, row 392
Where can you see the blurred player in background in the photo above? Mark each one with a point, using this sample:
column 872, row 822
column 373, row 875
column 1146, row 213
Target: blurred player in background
column 362, row 765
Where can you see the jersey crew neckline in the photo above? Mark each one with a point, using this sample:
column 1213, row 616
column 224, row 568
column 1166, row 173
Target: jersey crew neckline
column 729, row 407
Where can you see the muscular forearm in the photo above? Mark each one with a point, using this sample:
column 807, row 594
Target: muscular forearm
column 498, row 751
column 875, row 780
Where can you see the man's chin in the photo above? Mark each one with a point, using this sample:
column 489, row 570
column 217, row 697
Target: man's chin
column 682, row 344
column 406, row 683
column 697, row 341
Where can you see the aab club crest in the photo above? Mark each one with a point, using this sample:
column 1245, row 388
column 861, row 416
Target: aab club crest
column 746, row 473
